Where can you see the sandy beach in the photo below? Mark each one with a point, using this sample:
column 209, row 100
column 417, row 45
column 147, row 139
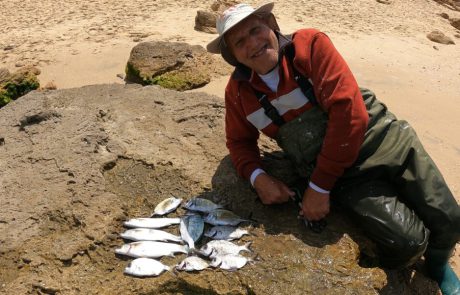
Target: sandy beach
column 76, row 43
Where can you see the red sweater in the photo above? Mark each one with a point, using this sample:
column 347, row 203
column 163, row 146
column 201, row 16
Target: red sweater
column 335, row 89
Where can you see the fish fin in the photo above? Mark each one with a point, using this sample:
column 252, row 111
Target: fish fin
column 247, row 246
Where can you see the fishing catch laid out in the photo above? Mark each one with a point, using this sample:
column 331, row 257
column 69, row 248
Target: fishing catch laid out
column 149, row 238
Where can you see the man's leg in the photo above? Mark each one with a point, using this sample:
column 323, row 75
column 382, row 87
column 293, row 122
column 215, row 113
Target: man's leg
column 401, row 160
column 421, row 185
column 399, row 234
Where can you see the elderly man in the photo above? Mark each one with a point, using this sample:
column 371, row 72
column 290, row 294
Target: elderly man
column 301, row 92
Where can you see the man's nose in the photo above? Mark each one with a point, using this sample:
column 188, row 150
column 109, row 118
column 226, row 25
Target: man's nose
column 252, row 41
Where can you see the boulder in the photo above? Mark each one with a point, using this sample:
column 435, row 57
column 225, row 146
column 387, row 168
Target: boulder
column 439, row 37
column 14, row 85
column 205, row 21
column 96, row 156
column 173, row 65
column 220, row 6
column 455, row 22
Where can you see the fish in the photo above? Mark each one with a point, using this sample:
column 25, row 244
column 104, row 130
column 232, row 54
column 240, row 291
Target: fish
column 223, row 217
column 145, row 267
column 230, row 261
column 151, row 222
column 166, row 206
column 221, row 247
column 192, row 263
column 225, row 232
column 149, row 234
column 185, row 235
column 201, row 205
column 195, row 226
column 151, row 249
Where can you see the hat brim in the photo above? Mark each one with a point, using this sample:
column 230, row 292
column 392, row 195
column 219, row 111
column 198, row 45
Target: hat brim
column 215, row 45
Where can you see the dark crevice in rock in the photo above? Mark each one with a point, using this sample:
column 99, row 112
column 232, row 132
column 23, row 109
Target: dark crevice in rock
column 37, row 118
column 174, row 287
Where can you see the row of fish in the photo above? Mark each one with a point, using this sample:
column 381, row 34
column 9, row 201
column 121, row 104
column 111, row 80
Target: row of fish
column 150, row 242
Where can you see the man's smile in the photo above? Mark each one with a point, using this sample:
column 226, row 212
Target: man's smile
column 260, row 51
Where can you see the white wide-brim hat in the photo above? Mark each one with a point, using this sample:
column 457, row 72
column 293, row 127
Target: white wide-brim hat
column 231, row 17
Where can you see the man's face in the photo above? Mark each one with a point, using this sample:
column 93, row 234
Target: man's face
column 253, row 44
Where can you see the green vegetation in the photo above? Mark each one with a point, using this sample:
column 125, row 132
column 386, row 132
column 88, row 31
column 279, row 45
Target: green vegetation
column 17, row 86
column 177, row 80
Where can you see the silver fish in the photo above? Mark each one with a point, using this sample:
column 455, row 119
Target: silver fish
column 166, row 206
column 195, row 226
column 221, row 247
column 149, row 234
column 185, row 235
column 192, row 263
column 202, row 205
column 151, row 249
column 223, row 217
column 230, row 262
column 145, row 267
column 225, row 232
column 151, row 222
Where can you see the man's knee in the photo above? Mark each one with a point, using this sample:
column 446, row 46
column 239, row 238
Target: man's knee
column 404, row 249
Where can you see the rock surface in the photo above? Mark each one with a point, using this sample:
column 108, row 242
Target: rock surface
column 439, row 37
column 173, row 65
column 455, row 22
column 76, row 163
column 205, row 21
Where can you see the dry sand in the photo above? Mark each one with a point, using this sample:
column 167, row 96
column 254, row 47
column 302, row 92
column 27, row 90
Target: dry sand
column 77, row 43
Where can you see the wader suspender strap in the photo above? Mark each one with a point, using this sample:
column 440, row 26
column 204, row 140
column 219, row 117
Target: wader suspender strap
column 269, row 109
column 306, row 87
column 302, row 81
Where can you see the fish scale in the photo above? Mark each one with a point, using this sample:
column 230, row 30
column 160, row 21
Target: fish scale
column 225, row 232
column 192, row 263
column 149, row 234
column 221, row 247
column 151, row 222
column 145, row 267
column 166, row 206
column 201, row 205
column 223, row 217
column 151, row 249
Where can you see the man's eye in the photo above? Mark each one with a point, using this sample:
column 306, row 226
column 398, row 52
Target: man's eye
column 239, row 43
column 255, row 30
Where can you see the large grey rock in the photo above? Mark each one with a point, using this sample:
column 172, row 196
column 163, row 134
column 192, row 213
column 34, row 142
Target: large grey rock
column 76, row 163
column 173, row 65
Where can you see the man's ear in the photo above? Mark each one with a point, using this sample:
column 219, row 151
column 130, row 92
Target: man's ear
column 271, row 22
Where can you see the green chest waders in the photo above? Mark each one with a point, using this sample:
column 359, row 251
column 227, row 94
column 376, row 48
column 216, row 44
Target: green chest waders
column 301, row 139
column 390, row 189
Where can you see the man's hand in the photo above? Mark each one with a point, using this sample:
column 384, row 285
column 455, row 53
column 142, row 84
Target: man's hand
column 315, row 205
column 271, row 190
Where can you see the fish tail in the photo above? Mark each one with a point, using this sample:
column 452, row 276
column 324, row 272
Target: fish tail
column 173, row 270
column 254, row 259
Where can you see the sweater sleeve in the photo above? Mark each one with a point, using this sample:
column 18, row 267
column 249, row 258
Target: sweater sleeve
column 338, row 94
column 241, row 136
